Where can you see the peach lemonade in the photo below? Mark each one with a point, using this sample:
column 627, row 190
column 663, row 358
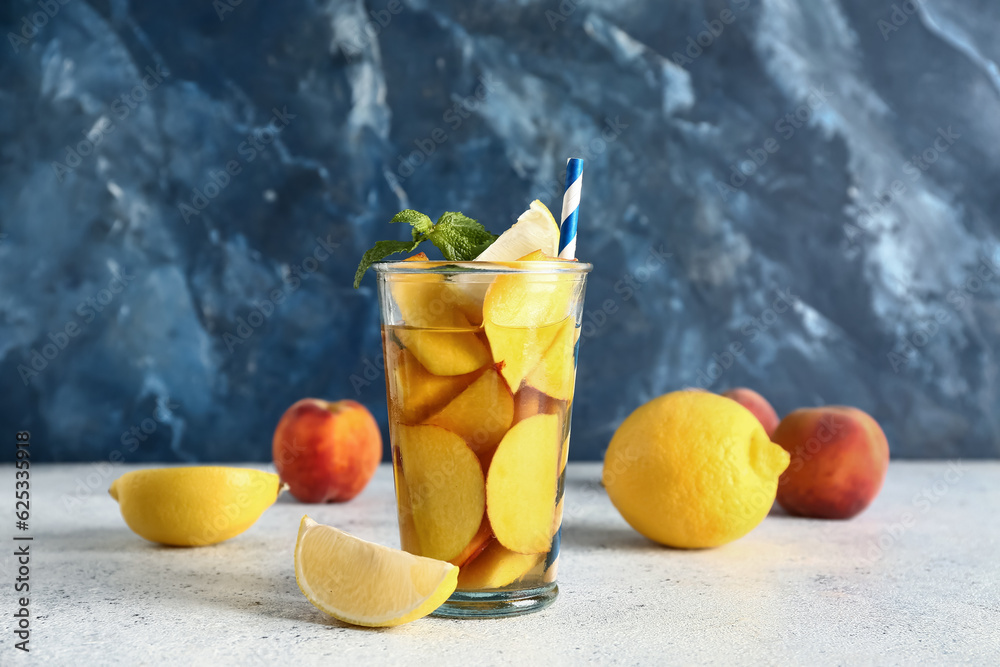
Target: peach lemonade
column 480, row 371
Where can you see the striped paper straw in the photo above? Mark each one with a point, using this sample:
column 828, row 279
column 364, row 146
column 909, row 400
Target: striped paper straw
column 570, row 208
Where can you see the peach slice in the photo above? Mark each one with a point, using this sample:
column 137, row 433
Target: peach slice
column 556, row 371
column 475, row 546
column 436, row 301
column 497, row 567
column 417, row 393
column 529, row 300
column 529, row 402
column 517, row 350
column 522, row 482
column 445, row 352
column 424, row 301
column 522, row 315
column 481, row 414
column 444, row 481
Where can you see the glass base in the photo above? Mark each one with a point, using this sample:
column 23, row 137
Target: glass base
column 497, row 604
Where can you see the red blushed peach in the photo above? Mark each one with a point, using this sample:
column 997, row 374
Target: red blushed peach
column 756, row 404
column 839, row 457
column 326, row 452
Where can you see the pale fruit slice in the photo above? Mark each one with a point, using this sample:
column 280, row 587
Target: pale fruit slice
column 193, row 506
column 497, row 567
column 367, row 584
column 522, row 314
column 417, row 393
column 444, row 481
column 535, row 229
column 556, row 371
column 481, row 414
column 517, row 350
column 479, row 542
column 530, row 299
column 522, row 482
column 445, row 352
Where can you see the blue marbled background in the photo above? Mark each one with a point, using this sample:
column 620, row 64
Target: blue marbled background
column 876, row 206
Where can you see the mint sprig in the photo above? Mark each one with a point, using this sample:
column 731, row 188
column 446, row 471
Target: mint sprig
column 457, row 236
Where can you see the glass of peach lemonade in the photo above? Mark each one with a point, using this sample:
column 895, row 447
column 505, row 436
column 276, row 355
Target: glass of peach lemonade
column 480, row 368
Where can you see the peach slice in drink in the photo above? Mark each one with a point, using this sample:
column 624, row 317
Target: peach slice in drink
column 445, row 488
column 522, row 482
column 441, row 352
column 555, row 372
column 522, row 315
column 433, row 301
column 417, row 392
column 529, row 402
column 476, row 545
column 497, row 567
column 481, row 414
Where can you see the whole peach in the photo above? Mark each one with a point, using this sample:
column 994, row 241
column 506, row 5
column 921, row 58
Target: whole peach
column 839, row 460
column 326, row 452
column 756, row 404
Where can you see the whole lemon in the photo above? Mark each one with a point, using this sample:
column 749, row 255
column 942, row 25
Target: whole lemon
column 193, row 506
column 692, row 469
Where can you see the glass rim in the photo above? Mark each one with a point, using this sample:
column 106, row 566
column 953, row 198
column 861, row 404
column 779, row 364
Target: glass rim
column 473, row 267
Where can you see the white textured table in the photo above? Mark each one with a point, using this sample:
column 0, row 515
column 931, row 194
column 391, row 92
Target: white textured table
column 915, row 579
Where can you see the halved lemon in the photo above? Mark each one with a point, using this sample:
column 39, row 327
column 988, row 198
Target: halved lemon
column 196, row 505
column 367, row 584
column 535, row 229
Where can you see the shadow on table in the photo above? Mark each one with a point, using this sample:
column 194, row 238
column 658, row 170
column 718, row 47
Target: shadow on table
column 231, row 575
column 594, row 536
column 95, row 540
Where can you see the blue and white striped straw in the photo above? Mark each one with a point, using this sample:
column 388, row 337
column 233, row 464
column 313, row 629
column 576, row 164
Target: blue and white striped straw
column 570, row 208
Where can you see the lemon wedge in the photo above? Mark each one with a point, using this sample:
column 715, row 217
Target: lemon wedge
column 193, row 506
column 362, row 583
column 535, row 229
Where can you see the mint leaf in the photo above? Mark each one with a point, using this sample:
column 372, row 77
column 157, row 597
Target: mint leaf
column 380, row 251
column 459, row 237
column 421, row 223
